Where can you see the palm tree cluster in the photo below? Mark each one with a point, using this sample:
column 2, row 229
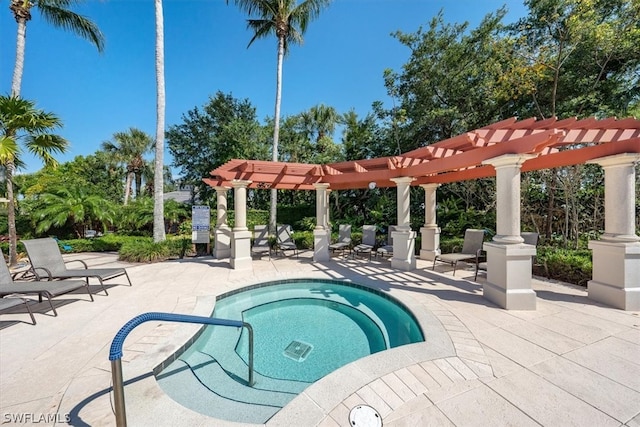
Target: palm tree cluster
column 286, row 19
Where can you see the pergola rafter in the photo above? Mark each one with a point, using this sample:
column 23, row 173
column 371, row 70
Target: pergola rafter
column 551, row 142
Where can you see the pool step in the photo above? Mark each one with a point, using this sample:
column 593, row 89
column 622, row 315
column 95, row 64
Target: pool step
column 184, row 387
column 235, row 367
column 200, row 383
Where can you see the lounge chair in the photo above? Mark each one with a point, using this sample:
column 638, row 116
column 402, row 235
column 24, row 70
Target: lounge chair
column 45, row 256
column 344, row 239
column 530, row 238
column 48, row 289
column 471, row 250
column 284, row 240
column 387, row 249
column 261, row 243
column 368, row 241
column 14, row 300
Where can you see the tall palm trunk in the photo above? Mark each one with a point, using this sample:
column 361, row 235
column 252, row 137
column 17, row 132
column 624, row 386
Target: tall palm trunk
column 18, row 68
column 11, row 217
column 276, row 133
column 127, row 188
column 16, row 84
column 158, row 188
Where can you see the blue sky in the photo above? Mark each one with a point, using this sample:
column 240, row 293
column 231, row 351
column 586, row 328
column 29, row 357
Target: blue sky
column 340, row 64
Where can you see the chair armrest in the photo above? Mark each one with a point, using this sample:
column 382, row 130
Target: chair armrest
column 80, row 261
column 46, row 270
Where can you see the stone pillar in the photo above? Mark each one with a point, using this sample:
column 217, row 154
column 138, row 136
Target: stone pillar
column 321, row 234
column 241, row 241
column 508, row 258
column 222, row 232
column 616, row 256
column 404, row 239
column 430, row 247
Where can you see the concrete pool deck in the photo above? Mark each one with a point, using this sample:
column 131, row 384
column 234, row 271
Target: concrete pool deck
column 572, row 362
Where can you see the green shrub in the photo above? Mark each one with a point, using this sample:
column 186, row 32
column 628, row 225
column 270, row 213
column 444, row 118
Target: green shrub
column 144, row 251
column 179, row 246
column 571, row 266
column 303, row 239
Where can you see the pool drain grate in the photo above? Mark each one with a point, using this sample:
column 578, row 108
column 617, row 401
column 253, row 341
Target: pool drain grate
column 298, row 350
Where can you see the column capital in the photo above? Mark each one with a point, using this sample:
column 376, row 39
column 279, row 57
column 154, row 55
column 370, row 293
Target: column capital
column 432, row 186
column 321, row 185
column 403, row 180
column 624, row 159
column 509, row 160
column 221, row 189
column 240, row 183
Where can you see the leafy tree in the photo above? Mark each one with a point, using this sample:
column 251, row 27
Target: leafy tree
column 287, row 20
column 361, row 138
column 57, row 13
column 457, row 79
column 129, row 148
column 21, row 121
column 94, row 172
column 583, row 56
column 72, row 204
column 223, row 129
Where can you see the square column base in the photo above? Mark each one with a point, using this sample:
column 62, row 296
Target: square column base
column 404, row 257
column 222, row 242
column 321, row 239
column 616, row 274
column 430, row 246
column 241, row 250
column 509, row 276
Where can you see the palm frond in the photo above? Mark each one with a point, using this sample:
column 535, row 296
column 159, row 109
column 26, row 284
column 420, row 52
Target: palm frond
column 56, row 13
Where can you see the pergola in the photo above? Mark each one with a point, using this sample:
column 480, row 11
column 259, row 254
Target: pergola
column 504, row 150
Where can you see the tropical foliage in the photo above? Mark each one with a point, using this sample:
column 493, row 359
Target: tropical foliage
column 128, row 149
column 22, row 122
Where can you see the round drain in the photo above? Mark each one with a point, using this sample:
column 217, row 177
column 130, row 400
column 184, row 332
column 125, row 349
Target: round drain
column 364, row 416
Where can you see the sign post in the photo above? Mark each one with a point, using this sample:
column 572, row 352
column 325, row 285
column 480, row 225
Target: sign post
column 200, row 225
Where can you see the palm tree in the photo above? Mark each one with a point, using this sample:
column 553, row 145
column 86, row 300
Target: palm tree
column 288, row 20
column 75, row 204
column 56, row 12
column 129, row 148
column 21, row 121
column 158, row 175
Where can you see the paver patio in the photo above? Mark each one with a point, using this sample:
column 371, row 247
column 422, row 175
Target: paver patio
column 571, row 362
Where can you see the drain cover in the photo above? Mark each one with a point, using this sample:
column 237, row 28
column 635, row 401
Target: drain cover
column 298, row 350
column 364, row 416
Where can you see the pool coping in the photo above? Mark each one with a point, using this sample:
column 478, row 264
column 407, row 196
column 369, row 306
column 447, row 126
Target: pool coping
column 148, row 403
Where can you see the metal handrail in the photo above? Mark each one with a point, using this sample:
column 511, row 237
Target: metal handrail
column 115, row 353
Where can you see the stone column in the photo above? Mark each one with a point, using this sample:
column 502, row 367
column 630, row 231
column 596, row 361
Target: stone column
column 616, row 256
column 430, row 248
column 241, row 241
column 508, row 258
column 404, row 239
column 222, row 232
column 321, row 234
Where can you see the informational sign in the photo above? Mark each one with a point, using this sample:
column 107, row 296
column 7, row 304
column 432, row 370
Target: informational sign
column 200, row 224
